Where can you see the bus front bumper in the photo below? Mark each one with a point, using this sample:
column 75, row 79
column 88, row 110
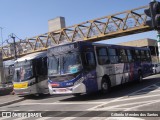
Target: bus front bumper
column 26, row 91
column 79, row 88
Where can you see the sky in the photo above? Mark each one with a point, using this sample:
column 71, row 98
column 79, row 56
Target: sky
column 28, row 18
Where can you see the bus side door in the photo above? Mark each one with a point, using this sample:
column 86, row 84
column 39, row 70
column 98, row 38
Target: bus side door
column 41, row 69
column 89, row 64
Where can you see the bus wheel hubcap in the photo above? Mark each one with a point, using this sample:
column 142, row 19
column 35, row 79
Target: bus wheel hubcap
column 105, row 86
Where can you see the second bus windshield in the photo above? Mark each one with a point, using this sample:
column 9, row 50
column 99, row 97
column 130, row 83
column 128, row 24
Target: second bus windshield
column 23, row 71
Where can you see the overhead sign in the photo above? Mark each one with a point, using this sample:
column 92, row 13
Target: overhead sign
column 63, row 48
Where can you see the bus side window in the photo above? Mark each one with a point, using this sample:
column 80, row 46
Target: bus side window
column 129, row 54
column 90, row 60
column 113, row 55
column 102, row 56
column 122, row 55
column 137, row 55
column 148, row 56
column 143, row 55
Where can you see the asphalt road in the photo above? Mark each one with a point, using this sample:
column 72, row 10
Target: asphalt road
column 132, row 97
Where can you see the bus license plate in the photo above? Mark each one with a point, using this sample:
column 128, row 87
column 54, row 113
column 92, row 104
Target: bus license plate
column 20, row 85
column 62, row 90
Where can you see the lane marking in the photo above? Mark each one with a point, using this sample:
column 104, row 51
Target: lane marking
column 46, row 110
column 14, row 110
column 3, row 110
column 20, row 118
column 152, row 102
column 10, row 110
column 3, row 118
column 150, row 88
column 44, row 118
column 29, row 110
column 147, row 92
column 133, row 98
column 63, row 103
column 103, row 104
column 112, row 107
column 145, row 88
column 68, row 118
column 115, row 109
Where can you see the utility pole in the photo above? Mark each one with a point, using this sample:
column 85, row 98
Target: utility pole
column 1, row 36
column 14, row 46
column 1, row 60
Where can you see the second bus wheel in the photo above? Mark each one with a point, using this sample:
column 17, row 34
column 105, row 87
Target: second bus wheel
column 105, row 86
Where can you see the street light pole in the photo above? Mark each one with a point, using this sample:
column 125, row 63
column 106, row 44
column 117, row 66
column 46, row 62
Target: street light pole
column 14, row 45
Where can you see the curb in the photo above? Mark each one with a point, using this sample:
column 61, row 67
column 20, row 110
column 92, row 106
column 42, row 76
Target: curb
column 11, row 102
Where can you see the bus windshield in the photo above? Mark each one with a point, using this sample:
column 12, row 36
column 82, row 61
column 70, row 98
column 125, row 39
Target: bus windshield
column 23, row 71
column 64, row 64
column 53, row 66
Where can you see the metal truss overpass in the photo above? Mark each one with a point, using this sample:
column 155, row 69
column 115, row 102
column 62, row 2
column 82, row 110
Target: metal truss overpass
column 107, row 27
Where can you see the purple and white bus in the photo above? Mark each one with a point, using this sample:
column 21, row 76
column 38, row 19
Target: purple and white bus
column 84, row 67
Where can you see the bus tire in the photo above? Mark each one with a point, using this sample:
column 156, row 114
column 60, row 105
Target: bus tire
column 140, row 76
column 105, row 86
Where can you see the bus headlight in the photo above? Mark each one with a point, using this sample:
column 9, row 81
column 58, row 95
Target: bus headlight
column 79, row 81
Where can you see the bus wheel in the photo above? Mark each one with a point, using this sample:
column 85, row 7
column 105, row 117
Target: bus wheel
column 140, row 77
column 105, row 86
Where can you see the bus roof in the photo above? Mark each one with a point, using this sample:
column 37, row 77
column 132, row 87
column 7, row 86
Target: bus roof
column 32, row 56
column 101, row 44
